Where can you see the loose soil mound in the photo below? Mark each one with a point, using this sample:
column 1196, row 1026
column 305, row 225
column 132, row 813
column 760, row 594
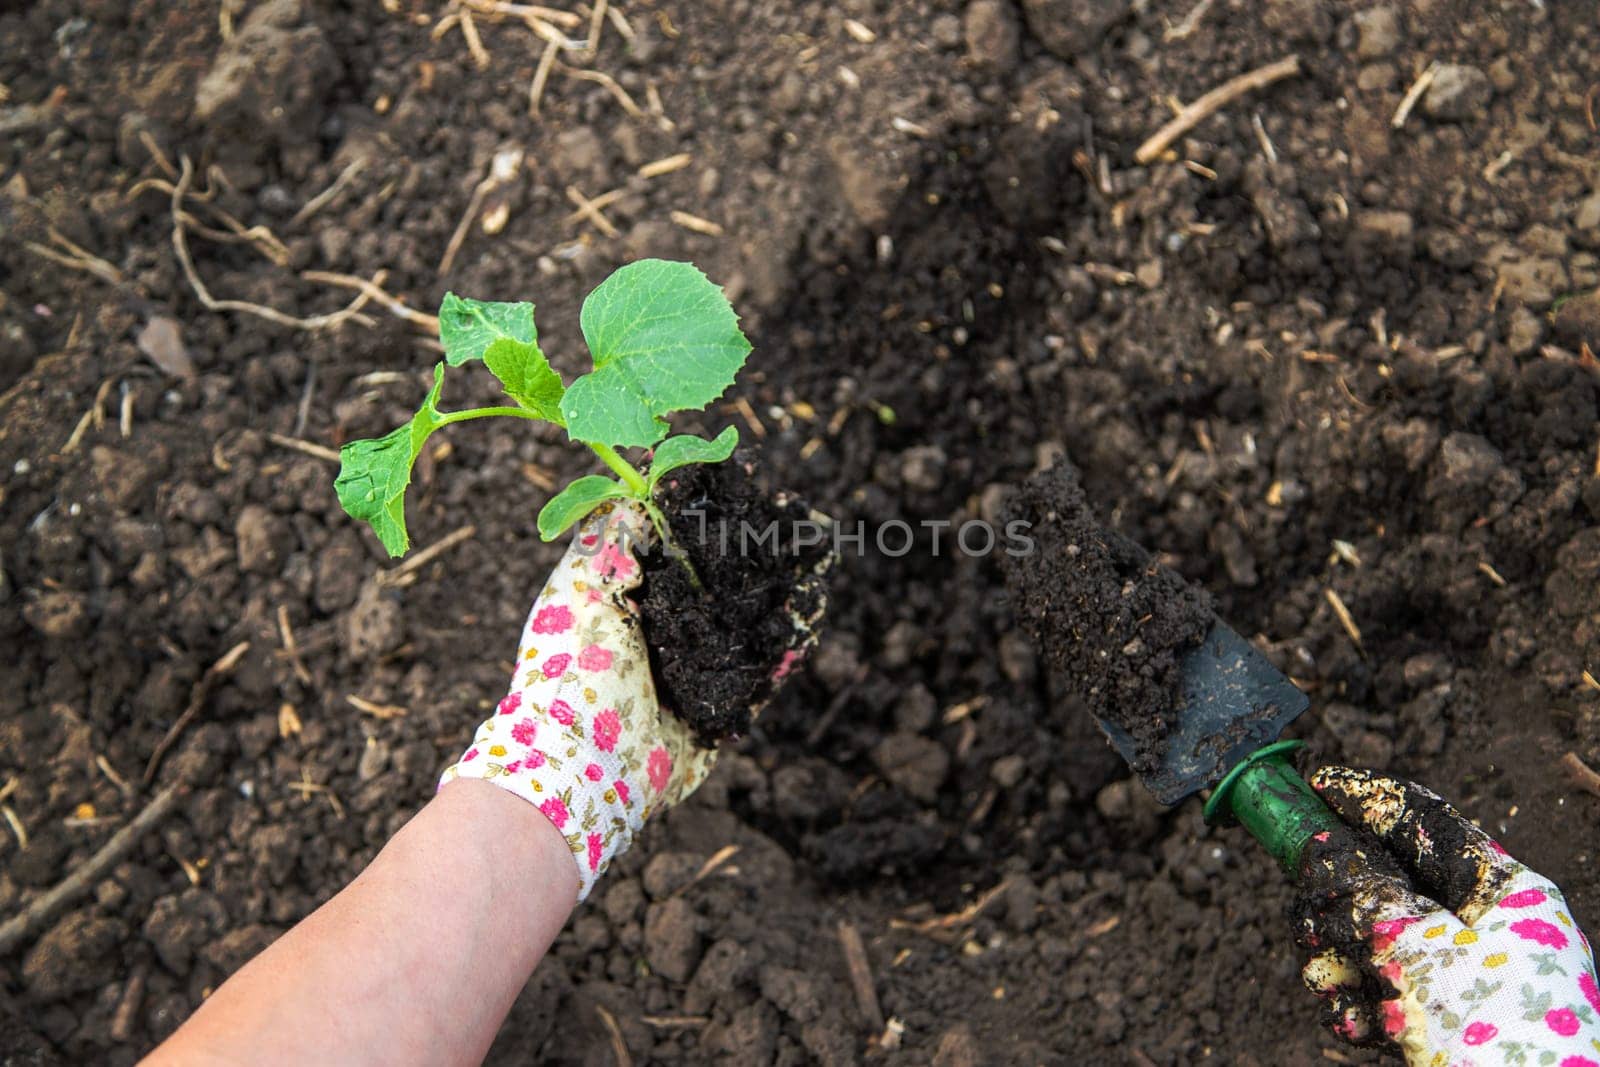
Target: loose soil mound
column 714, row 649
column 1317, row 357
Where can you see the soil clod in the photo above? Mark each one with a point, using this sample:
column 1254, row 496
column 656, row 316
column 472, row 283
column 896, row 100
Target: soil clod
column 759, row 559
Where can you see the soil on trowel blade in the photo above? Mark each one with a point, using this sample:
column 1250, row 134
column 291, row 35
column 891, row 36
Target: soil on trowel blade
column 713, row 650
column 1114, row 622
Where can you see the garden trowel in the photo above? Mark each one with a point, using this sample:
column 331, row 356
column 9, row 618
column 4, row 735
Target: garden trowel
column 1225, row 737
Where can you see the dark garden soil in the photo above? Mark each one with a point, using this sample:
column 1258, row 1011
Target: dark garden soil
column 1110, row 619
column 1315, row 359
column 723, row 630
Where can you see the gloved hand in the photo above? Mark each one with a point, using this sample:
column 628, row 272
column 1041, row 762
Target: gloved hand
column 1422, row 932
column 581, row 734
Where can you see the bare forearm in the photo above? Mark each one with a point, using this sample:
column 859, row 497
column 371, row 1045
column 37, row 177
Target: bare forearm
column 416, row 961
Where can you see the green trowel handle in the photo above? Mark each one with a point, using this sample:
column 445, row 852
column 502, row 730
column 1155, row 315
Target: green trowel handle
column 1270, row 799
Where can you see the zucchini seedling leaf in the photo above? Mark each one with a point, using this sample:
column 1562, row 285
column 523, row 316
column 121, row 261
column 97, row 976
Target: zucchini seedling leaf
column 468, row 327
column 504, row 337
column 685, row 449
column 663, row 338
column 373, row 474
column 527, row 377
column 576, row 501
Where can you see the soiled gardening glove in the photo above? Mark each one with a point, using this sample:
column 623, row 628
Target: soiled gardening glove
column 581, row 734
column 1423, row 933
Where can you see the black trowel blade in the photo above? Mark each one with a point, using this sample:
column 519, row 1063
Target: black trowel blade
column 1234, row 701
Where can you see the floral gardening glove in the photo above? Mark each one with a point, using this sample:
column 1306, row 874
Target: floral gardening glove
column 1424, row 933
column 581, row 734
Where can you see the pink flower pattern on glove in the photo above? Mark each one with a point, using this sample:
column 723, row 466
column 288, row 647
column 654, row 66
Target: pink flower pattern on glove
column 555, row 811
column 660, row 769
column 607, row 728
column 1519, row 950
column 1590, row 990
column 1540, row 932
column 581, row 734
column 1526, row 899
column 551, row 619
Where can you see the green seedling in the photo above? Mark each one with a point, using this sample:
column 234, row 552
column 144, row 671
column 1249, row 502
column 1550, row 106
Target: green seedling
column 662, row 338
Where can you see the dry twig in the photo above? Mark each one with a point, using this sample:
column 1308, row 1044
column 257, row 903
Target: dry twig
column 76, row 257
column 657, row 168
column 1345, row 618
column 376, row 291
column 180, row 245
column 1211, row 103
column 590, row 210
column 128, row 1005
column 503, row 169
column 76, row 437
column 377, row 711
column 305, row 787
column 112, row 776
column 469, row 30
column 1583, row 776
column 1414, row 94
column 955, row 919
column 1268, row 149
column 855, row 958
column 324, row 198
column 741, row 404
column 712, row 865
column 597, row 22
column 619, row 1047
column 45, row 907
column 308, row 447
column 620, row 21
column 541, row 76
column 125, row 413
column 1190, row 22
column 606, row 81
column 405, row 574
column 14, row 821
column 233, row 232
column 506, row 9
column 696, row 224
column 291, row 649
column 197, row 700
column 599, row 203
column 1104, row 926
column 95, row 416
column 151, row 145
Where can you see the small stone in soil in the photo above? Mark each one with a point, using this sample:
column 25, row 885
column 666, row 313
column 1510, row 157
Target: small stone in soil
column 1458, row 93
column 1378, row 32
column 992, row 35
column 672, row 939
column 912, row 763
